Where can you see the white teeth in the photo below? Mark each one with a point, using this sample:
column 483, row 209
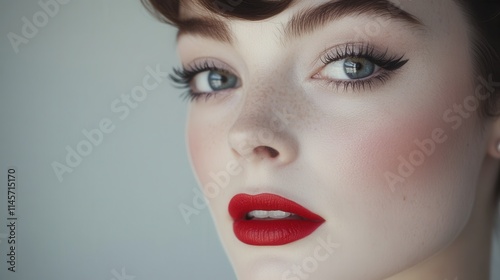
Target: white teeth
column 274, row 214
column 261, row 214
column 278, row 214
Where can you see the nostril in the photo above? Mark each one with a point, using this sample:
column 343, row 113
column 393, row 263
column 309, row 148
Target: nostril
column 267, row 150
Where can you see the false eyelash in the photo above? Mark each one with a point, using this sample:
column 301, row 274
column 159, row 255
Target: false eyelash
column 388, row 64
column 365, row 51
column 183, row 77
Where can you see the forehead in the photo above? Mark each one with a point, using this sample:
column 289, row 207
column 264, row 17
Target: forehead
column 439, row 16
column 421, row 8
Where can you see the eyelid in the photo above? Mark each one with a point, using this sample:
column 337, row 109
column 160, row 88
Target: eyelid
column 388, row 65
column 343, row 50
column 187, row 74
column 212, row 63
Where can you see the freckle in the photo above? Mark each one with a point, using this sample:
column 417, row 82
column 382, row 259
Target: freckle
column 404, row 197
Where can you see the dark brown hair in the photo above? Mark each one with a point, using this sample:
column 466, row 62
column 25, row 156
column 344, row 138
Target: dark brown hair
column 483, row 17
column 484, row 20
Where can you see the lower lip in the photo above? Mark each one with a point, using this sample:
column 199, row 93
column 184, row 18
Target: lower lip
column 273, row 232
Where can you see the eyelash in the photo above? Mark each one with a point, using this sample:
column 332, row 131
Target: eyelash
column 183, row 78
column 388, row 64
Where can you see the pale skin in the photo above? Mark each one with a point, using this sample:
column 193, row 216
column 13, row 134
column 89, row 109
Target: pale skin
column 333, row 148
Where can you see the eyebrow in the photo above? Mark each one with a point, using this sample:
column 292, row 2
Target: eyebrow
column 211, row 28
column 305, row 21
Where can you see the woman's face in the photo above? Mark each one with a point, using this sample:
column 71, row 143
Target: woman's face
column 363, row 116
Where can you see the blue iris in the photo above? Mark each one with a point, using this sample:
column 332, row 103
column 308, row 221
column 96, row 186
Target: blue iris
column 220, row 80
column 358, row 68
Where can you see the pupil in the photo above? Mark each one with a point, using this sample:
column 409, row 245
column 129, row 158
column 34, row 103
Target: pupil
column 358, row 68
column 220, row 80
column 216, row 80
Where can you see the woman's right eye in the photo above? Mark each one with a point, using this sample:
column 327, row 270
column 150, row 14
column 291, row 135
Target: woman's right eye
column 213, row 80
column 204, row 80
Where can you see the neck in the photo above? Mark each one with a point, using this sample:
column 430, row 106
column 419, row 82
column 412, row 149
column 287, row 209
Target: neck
column 468, row 256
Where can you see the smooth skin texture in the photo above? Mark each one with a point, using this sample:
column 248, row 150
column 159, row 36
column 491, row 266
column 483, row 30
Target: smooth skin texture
column 329, row 148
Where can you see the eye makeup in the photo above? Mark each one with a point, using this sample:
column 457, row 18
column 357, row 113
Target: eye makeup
column 185, row 78
column 359, row 56
column 358, row 65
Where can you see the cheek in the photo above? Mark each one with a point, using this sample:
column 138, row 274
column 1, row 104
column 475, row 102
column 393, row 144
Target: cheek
column 210, row 156
column 413, row 153
column 197, row 147
column 388, row 151
column 203, row 149
column 426, row 199
column 410, row 144
column 397, row 154
column 408, row 172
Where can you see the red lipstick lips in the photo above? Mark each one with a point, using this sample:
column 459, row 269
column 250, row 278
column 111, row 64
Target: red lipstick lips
column 270, row 220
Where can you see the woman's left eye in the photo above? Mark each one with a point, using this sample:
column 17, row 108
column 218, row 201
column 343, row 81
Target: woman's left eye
column 350, row 68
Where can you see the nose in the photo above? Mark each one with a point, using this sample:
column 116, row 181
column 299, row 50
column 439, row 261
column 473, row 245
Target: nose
column 263, row 133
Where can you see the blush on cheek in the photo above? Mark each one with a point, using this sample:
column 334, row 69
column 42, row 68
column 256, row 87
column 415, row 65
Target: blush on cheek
column 395, row 155
column 415, row 144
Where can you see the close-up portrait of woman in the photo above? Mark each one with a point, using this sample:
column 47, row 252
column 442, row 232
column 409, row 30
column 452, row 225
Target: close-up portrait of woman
column 344, row 139
column 250, row 139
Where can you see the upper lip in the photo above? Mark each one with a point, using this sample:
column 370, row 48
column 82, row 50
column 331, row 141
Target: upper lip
column 241, row 204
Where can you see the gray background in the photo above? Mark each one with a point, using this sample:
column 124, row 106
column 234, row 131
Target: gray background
column 119, row 207
column 116, row 214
